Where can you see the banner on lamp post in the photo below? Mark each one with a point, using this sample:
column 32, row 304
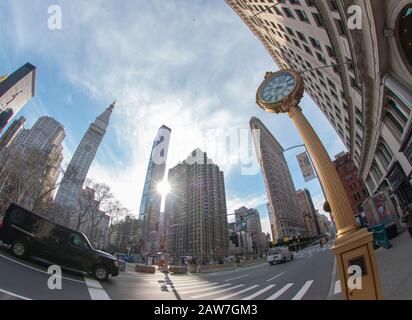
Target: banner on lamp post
column 306, row 166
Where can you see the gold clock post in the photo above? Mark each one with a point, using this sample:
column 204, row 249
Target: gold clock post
column 353, row 247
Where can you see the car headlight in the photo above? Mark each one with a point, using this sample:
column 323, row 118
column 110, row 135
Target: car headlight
column 116, row 263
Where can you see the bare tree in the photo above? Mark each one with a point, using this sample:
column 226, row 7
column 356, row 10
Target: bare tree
column 28, row 178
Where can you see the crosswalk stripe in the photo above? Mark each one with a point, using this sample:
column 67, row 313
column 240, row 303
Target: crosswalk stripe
column 237, row 277
column 280, row 292
column 205, row 289
column 185, row 286
column 275, row 277
column 303, row 290
column 338, row 288
column 215, row 292
column 184, row 283
column 237, row 293
column 96, row 290
column 259, row 292
column 184, row 280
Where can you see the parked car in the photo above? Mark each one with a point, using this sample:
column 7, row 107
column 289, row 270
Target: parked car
column 31, row 235
column 279, row 254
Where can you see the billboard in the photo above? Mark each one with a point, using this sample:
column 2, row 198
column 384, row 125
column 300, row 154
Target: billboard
column 306, row 166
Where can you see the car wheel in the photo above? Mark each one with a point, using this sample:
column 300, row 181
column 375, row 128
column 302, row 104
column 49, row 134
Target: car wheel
column 101, row 273
column 20, row 249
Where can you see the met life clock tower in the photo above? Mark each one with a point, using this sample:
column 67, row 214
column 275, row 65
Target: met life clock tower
column 67, row 196
column 281, row 92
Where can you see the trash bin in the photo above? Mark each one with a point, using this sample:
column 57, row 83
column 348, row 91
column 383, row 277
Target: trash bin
column 380, row 236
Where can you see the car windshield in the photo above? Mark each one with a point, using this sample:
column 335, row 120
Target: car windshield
column 275, row 251
column 88, row 242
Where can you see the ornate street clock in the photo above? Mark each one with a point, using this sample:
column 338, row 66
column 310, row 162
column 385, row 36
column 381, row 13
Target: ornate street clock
column 280, row 91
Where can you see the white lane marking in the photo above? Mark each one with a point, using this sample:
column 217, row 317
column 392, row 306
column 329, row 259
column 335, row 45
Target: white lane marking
column 246, row 275
column 184, row 282
column 236, row 293
column 332, row 280
column 259, row 292
column 338, row 288
column 184, row 286
column 275, row 277
column 39, row 270
column 303, row 290
column 215, row 292
column 205, row 289
column 280, row 292
column 96, row 290
column 14, row 295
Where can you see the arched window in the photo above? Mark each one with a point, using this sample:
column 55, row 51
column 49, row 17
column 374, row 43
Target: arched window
column 385, row 155
column 405, row 34
column 376, row 172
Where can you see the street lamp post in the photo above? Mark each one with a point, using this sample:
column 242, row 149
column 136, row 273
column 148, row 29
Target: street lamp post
column 316, row 172
column 281, row 92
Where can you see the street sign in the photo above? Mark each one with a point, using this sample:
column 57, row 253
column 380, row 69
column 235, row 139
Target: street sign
column 306, row 166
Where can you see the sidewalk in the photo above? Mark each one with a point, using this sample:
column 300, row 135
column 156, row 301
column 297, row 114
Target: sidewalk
column 395, row 268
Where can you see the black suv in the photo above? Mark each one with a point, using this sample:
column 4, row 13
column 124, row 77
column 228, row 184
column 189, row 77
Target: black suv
column 30, row 234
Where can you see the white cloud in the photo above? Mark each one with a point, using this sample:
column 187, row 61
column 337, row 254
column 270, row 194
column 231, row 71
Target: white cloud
column 190, row 67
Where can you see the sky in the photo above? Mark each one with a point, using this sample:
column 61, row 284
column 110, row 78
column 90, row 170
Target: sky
column 192, row 65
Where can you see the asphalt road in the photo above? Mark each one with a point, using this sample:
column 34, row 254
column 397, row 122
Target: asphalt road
column 308, row 276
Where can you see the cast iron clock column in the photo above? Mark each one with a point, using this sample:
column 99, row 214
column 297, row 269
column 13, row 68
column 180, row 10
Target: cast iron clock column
column 281, row 92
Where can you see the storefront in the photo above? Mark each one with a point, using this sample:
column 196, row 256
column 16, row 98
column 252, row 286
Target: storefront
column 400, row 185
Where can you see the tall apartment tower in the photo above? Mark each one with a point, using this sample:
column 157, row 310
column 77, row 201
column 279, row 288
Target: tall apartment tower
column 286, row 218
column 12, row 131
column 196, row 210
column 45, row 138
column 252, row 220
column 357, row 68
column 354, row 186
column 67, row 196
column 309, row 213
column 16, row 90
column 149, row 214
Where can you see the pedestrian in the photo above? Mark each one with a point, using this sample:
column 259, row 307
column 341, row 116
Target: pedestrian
column 407, row 218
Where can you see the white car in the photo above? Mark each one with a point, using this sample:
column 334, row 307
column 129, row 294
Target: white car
column 279, row 254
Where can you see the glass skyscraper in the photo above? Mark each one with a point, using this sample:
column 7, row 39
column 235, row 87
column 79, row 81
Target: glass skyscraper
column 149, row 213
column 16, row 90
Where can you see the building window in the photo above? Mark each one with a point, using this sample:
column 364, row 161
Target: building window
column 290, row 31
column 315, row 43
column 319, row 20
column 396, row 114
column 376, row 172
column 333, row 5
column 288, row 12
column 307, row 49
column 385, row 155
column 321, row 58
column 302, row 15
column 297, row 44
column 331, row 52
column 405, row 34
column 277, row 11
column 340, row 26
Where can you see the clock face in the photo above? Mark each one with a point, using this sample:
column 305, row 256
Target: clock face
column 277, row 88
